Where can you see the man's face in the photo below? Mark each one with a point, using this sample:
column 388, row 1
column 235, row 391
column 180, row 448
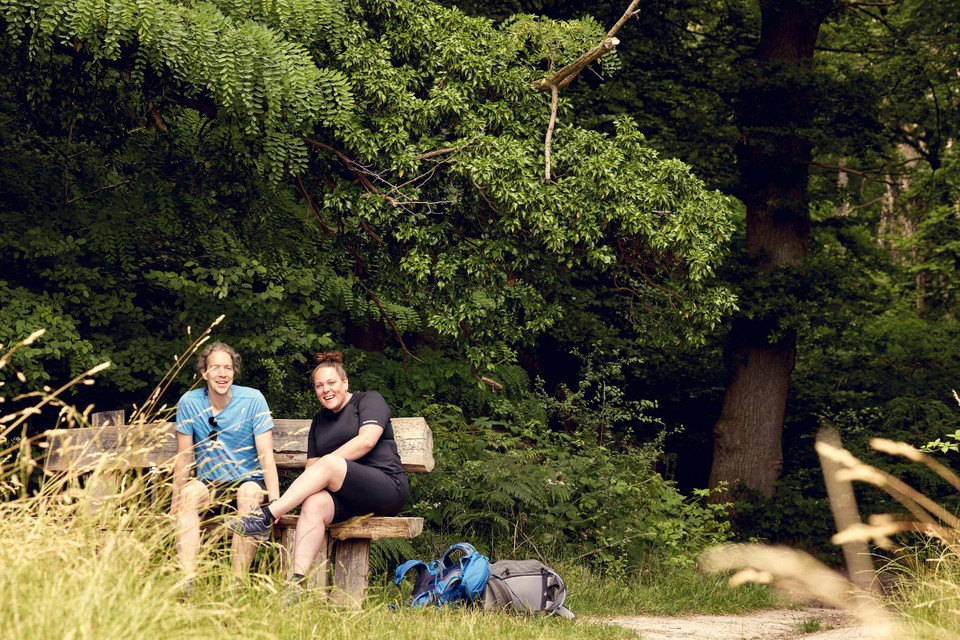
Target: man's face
column 219, row 372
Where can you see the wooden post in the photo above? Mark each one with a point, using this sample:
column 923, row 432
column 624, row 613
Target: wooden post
column 843, row 503
column 351, row 570
column 108, row 418
column 319, row 577
column 103, row 484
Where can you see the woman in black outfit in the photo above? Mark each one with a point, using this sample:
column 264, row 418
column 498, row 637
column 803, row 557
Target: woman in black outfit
column 352, row 468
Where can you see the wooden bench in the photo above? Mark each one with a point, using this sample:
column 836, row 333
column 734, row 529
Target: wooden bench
column 114, row 448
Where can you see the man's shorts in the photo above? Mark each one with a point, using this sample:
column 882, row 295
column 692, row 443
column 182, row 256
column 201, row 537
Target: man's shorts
column 223, row 498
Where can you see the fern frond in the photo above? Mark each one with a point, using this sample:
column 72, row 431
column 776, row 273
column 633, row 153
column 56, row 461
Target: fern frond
column 387, row 553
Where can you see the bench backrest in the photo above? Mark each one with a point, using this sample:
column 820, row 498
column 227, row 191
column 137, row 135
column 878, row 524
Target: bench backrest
column 118, row 446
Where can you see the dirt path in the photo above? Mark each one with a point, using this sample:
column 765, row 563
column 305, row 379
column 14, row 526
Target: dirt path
column 776, row 624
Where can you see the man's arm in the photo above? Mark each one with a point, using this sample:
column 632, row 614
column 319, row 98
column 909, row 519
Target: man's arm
column 264, row 443
column 181, row 467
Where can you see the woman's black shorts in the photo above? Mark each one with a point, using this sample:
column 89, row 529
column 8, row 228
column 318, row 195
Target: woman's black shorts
column 368, row 491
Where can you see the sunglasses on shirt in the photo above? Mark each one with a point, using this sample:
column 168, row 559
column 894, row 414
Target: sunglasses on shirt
column 212, row 421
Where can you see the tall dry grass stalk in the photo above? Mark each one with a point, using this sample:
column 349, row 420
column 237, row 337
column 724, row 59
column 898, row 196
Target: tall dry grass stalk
column 927, row 601
column 806, row 578
column 91, row 552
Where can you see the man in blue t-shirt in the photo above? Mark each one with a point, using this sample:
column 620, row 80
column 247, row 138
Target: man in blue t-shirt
column 226, row 431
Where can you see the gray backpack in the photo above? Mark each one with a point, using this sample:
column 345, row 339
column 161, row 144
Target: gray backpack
column 525, row 586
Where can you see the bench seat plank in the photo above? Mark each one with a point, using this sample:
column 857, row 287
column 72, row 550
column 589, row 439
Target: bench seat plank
column 372, row 528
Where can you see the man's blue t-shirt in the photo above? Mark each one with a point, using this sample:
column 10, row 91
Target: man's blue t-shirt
column 233, row 456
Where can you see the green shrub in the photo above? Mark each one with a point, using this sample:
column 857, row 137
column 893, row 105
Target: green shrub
column 568, row 480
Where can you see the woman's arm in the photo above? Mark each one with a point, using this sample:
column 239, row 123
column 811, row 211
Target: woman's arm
column 264, row 444
column 361, row 444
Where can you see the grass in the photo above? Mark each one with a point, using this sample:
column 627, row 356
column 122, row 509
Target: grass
column 72, row 573
column 666, row 591
column 926, row 591
column 810, row 625
column 76, row 567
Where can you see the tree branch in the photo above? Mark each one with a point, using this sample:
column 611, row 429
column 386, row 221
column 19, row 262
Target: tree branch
column 95, row 191
column 852, row 5
column 389, row 320
column 631, row 12
column 205, row 107
column 435, row 152
column 156, row 116
column 327, row 231
column 354, row 169
column 568, row 74
column 554, row 99
column 866, row 174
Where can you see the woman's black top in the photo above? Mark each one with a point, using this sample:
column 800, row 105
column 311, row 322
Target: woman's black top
column 330, row 430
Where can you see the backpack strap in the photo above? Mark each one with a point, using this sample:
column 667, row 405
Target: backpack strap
column 423, row 593
column 464, row 547
column 405, row 567
column 554, row 591
column 449, row 574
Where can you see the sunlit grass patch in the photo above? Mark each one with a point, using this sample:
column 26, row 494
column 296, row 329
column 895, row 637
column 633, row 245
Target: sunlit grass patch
column 809, row 625
column 925, row 589
column 679, row 590
column 75, row 567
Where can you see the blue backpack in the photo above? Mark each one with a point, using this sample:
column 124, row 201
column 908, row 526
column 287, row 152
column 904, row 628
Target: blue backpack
column 458, row 577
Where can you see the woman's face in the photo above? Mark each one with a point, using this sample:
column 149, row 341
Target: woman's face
column 332, row 390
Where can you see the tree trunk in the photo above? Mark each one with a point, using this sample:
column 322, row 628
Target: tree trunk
column 747, row 436
column 774, row 157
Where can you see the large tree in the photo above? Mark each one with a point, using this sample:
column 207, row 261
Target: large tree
column 854, row 100
column 775, row 110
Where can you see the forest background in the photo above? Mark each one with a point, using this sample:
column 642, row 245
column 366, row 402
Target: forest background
column 744, row 228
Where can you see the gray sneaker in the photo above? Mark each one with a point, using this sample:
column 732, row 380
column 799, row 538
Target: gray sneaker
column 254, row 525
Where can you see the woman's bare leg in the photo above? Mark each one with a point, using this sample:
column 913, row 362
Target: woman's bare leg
column 326, row 473
column 315, row 515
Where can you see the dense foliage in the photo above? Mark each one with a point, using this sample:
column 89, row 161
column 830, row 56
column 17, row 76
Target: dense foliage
column 379, row 165
column 516, row 485
column 873, row 307
column 325, row 174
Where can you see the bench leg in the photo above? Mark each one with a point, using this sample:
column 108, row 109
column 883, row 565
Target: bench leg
column 288, row 540
column 101, row 486
column 351, row 571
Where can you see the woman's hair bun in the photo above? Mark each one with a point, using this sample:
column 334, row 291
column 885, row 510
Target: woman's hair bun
column 329, row 357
